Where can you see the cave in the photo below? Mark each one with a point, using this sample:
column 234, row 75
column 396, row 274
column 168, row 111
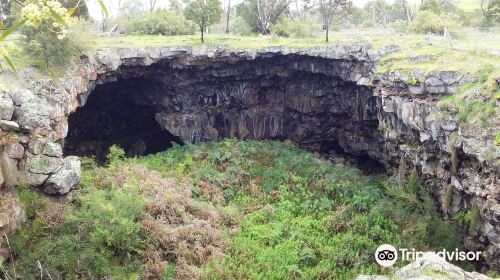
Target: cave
column 112, row 116
column 310, row 101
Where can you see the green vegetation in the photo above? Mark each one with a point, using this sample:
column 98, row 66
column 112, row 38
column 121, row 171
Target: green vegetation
column 203, row 13
column 474, row 218
column 160, row 22
column 227, row 210
column 448, row 196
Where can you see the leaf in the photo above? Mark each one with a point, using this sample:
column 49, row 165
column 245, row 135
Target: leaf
column 2, row 26
column 71, row 11
column 11, row 29
column 57, row 17
column 9, row 62
column 103, row 7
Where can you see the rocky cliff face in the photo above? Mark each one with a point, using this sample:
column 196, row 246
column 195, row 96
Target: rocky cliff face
column 327, row 100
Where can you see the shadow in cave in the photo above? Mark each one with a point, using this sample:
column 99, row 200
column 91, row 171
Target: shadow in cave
column 365, row 163
column 110, row 116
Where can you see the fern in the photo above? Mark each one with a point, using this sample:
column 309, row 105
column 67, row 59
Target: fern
column 402, row 171
column 474, row 218
column 448, row 198
column 413, row 182
column 454, row 156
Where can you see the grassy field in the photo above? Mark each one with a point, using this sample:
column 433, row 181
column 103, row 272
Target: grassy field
column 470, row 51
column 226, row 210
column 468, row 5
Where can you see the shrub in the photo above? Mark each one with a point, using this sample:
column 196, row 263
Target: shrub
column 241, row 27
column 474, row 218
column 163, row 22
column 400, row 25
column 115, row 155
column 427, row 21
column 43, row 44
column 448, row 195
column 286, row 27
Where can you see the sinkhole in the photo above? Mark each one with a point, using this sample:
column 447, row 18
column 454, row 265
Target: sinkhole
column 308, row 100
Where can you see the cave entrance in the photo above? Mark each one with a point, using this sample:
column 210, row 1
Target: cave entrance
column 113, row 114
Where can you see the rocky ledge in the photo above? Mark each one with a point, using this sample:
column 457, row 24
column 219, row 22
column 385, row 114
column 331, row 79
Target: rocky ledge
column 328, row 100
column 429, row 267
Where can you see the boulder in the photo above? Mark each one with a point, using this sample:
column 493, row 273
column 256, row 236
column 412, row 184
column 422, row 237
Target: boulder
column 66, row 178
column 32, row 111
column 8, row 125
column 42, row 164
column 15, row 150
column 6, row 106
column 53, row 150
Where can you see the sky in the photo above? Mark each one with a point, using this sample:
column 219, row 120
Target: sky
column 112, row 5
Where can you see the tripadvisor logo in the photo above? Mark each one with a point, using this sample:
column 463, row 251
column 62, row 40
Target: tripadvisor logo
column 386, row 255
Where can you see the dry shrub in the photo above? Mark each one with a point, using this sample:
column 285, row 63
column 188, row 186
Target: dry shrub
column 187, row 232
column 54, row 215
column 211, row 193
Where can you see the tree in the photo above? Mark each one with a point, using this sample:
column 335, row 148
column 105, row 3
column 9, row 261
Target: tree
column 132, row 8
column 328, row 9
column 491, row 10
column 152, row 4
column 227, row 15
column 268, row 12
column 401, row 10
column 203, row 13
column 81, row 9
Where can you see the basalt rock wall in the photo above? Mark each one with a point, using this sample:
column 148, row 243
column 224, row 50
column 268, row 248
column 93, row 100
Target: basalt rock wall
column 327, row 100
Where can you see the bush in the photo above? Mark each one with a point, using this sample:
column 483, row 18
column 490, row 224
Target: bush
column 51, row 48
column 241, row 27
column 289, row 28
column 427, row 21
column 400, row 26
column 163, row 22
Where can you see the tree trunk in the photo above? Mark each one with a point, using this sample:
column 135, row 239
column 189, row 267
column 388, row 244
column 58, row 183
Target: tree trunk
column 373, row 15
column 227, row 18
column 202, row 28
column 327, row 29
column 46, row 58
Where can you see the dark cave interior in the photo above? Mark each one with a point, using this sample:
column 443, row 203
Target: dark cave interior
column 269, row 98
column 111, row 116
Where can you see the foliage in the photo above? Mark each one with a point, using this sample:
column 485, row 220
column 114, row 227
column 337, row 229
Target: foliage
column 402, row 171
column 261, row 15
column 310, row 219
column 81, row 10
column 241, row 27
column 284, row 213
column 160, row 21
column 474, row 218
column 203, row 13
column 245, row 12
column 448, row 196
column 428, row 21
column 97, row 236
column 285, row 27
column 115, row 155
column 41, row 42
column 328, row 9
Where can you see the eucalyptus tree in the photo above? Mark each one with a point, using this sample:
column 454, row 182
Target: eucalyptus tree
column 203, row 13
column 328, row 9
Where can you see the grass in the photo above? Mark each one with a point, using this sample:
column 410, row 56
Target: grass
column 468, row 5
column 471, row 54
column 226, row 210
